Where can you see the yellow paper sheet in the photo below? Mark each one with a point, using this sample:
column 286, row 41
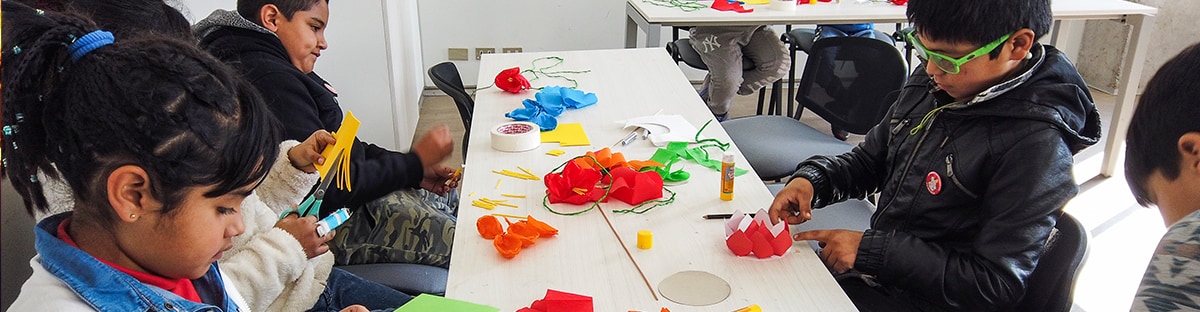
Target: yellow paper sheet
column 567, row 135
column 345, row 141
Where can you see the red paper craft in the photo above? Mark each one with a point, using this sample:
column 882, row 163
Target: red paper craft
column 558, row 301
column 634, row 187
column 724, row 5
column 511, row 80
column 744, row 236
column 574, row 185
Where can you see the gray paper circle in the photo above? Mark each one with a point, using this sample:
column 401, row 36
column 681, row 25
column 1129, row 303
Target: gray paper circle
column 694, row 288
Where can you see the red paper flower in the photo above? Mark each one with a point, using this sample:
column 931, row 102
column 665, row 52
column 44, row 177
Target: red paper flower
column 574, row 185
column 634, row 187
column 512, row 81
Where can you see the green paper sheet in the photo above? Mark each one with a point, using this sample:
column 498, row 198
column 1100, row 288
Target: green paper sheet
column 427, row 302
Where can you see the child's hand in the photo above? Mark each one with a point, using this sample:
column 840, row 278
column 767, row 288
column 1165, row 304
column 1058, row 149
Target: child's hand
column 356, row 308
column 438, row 179
column 305, row 231
column 308, row 154
column 434, row 146
column 793, row 203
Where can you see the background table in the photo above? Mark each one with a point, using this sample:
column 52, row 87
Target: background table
column 652, row 18
column 585, row 257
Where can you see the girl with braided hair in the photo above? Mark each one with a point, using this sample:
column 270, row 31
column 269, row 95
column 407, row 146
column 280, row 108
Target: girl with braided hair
column 159, row 144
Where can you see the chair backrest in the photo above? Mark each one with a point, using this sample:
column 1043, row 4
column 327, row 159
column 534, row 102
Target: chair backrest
column 1052, row 283
column 846, row 81
column 445, row 76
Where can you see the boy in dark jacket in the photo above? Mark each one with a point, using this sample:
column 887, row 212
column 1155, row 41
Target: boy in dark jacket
column 397, row 216
column 972, row 165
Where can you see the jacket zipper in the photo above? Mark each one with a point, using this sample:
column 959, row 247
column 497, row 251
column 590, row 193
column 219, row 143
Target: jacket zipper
column 950, row 172
column 907, row 167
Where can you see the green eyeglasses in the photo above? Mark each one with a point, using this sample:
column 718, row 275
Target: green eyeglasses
column 948, row 64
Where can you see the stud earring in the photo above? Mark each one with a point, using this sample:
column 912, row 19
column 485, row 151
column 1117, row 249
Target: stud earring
column 1029, row 55
column 132, row 216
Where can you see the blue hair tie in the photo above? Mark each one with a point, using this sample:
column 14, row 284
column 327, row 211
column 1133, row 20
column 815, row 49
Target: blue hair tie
column 89, row 42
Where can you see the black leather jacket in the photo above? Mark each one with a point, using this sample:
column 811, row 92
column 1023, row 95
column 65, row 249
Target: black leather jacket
column 305, row 103
column 967, row 202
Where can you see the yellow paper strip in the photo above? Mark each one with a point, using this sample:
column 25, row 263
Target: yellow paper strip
column 556, row 152
column 498, row 183
column 515, row 174
column 483, row 205
column 535, row 177
column 513, row 195
column 471, row 195
column 509, row 216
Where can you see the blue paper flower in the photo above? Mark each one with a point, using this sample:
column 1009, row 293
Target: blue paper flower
column 551, row 102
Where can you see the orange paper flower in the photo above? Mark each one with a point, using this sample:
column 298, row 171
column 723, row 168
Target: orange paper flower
column 545, row 230
column 524, row 231
column 508, row 245
column 521, row 234
column 489, row 227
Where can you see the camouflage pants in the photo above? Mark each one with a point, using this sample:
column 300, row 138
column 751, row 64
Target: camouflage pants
column 406, row 226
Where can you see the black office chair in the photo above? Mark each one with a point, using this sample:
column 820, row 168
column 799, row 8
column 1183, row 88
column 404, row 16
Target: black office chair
column 1052, row 284
column 445, row 76
column 681, row 51
column 849, row 81
column 802, row 40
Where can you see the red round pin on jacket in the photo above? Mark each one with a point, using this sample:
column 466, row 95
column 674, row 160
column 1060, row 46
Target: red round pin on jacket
column 933, row 183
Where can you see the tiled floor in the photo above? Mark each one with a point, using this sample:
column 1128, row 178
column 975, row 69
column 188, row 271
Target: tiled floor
column 1123, row 234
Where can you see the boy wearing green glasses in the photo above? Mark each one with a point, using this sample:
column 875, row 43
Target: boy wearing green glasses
column 971, row 165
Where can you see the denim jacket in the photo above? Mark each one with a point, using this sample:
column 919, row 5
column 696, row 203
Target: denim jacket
column 101, row 286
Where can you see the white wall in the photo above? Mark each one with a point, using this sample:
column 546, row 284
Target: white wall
column 533, row 25
column 373, row 60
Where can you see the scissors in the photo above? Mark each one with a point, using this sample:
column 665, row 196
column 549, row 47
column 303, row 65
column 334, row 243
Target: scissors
column 312, row 204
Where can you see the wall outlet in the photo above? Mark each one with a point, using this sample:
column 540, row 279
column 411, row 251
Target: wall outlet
column 457, row 54
column 479, row 52
column 511, row 50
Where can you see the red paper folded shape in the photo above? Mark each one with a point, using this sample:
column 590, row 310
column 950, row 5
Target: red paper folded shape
column 634, row 187
column 724, row 5
column 745, row 236
column 511, row 80
column 558, row 301
column 574, row 185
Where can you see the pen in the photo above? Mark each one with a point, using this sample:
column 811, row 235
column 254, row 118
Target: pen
column 629, row 138
column 723, row 215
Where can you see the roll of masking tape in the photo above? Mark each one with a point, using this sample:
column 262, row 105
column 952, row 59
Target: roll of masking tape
column 516, row 136
column 783, row 5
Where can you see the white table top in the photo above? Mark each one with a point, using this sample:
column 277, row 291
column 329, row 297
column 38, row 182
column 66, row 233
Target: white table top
column 585, row 258
column 850, row 12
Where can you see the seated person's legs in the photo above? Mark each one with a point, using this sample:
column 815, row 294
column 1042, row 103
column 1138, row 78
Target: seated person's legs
column 771, row 61
column 344, row 289
column 721, row 50
column 400, row 227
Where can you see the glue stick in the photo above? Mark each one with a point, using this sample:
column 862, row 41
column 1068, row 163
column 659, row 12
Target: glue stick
column 727, row 177
column 332, row 221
